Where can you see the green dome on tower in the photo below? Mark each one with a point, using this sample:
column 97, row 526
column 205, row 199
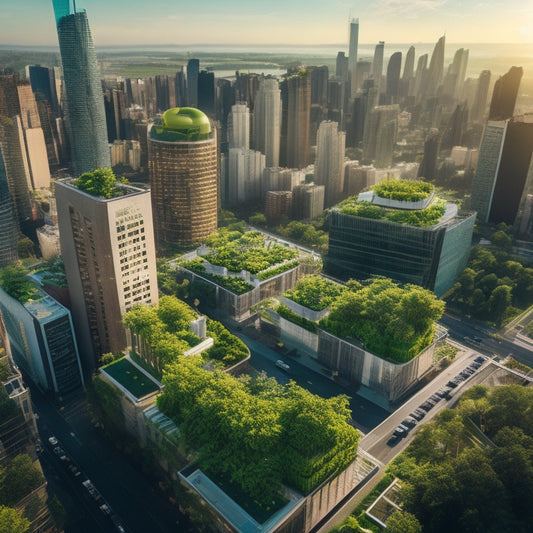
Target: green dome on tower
column 182, row 124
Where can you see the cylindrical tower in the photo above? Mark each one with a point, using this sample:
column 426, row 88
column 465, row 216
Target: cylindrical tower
column 182, row 163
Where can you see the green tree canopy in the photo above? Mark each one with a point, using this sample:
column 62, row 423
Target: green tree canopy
column 403, row 522
column 100, row 182
column 12, row 521
column 14, row 280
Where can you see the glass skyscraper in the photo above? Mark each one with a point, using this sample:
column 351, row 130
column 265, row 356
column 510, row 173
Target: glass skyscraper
column 86, row 123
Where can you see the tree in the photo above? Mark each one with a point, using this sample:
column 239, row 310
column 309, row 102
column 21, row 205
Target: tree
column 501, row 240
column 19, row 479
column 257, row 219
column 499, row 301
column 403, row 522
column 100, row 182
column 12, row 521
column 14, row 280
column 25, row 248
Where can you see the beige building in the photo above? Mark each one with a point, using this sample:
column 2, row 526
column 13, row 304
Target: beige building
column 109, row 254
column 183, row 169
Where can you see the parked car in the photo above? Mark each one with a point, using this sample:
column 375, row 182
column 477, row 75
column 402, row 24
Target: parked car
column 409, row 423
column 420, row 412
column 451, row 384
column 105, row 509
column 53, row 441
column 395, row 439
column 417, row 416
column 479, row 359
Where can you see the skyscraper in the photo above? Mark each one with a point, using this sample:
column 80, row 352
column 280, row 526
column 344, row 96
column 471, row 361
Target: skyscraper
column 239, row 127
column 86, row 124
column 298, row 119
column 393, row 77
column 267, row 120
column 352, row 55
column 380, row 134
column 479, row 105
column 504, row 164
column 8, row 222
column 377, row 64
column 108, row 249
column 193, row 69
column 183, row 170
column 329, row 164
column 436, row 69
column 504, row 94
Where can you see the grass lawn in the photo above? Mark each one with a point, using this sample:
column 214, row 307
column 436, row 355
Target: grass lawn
column 131, row 378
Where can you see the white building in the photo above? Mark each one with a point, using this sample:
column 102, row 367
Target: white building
column 267, row 121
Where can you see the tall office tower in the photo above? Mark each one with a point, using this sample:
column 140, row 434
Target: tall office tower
column 34, row 143
column 86, row 124
column 504, row 94
column 409, row 66
column 456, row 127
column 298, row 119
column 43, row 81
column 428, row 167
column 206, row 93
column 431, row 256
column 329, row 163
column 380, row 135
column 436, row 69
column 341, row 66
column 108, row 249
column 420, row 76
column 307, row 201
column 10, row 230
column 504, row 164
column 393, row 77
column 165, row 92
column 193, row 70
column 48, row 125
column 319, row 97
column 246, row 87
column 453, row 82
column 363, row 72
column 16, row 166
column 377, row 64
column 245, row 171
column 239, row 127
column 336, row 100
column 180, row 85
column 183, row 170
column 267, row 121
column 362, row 104
column 281, row 179
column 479, row 106
column 352, row 55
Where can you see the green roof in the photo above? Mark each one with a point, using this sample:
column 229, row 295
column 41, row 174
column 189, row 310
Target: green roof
column 182, row 124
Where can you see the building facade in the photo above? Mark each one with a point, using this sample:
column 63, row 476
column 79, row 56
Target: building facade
column 183, row 170
column 108, row 250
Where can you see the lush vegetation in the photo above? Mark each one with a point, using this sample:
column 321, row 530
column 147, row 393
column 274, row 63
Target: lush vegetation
column 131, row 378
column 403, row 190
column 233, row 284
column 245, row 251
column 305, row 323
column 14, row 280
column 309, row 234
column 279, row 269
column 167, row 281
column 54, row 273
column 495, row 286
column 256, row 431
column 454, row 479
column 101, row 182
column 166, row 331
column 12, row 521
column 392, row 321
column 314, row 292
column 415, row 217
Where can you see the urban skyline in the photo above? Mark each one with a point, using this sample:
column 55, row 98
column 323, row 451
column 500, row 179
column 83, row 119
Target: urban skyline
column 295, row 22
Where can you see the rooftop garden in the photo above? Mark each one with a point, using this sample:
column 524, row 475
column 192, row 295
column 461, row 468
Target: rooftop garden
column 415, row 217
column 403, row 190
column 131, row 378
column 101, row 182
column 314, row 292
column 237, row 249
column 166, row 331
column 392, row 321
column 15, row 281
column 256, row 432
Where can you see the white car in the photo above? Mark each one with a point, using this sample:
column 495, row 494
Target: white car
column 283, row 365
column 52, row 440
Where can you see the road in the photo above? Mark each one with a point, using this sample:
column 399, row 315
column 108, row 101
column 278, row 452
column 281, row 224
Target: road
column 128, row 491
column 464, row 331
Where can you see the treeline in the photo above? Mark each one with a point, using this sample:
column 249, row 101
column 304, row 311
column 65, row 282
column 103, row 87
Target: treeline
column 454, row 479
column 495, row 285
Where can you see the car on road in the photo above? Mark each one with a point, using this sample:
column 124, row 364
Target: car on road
column 452, row 384
column 418, row 414
column 395, row 439
column 401, row 430
column 105, row 509
column 53, row 441
column 60, row 453
column 283, row 365
column 427, row 406
column 409, row 423
column 435, row 398
column 119, row 526
column 479, row 359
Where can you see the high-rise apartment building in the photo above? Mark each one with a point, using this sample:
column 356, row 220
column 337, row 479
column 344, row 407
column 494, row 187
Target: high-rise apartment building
column 267, row 120
column 479, row 105
column 377, row 63
column 504, row 164
column 393, row 77
column 8, row 222
column 307, row 201
column 183, row 170
column 86, row 123
column 108, row 249
column 245, row 171
column 43, row 81
column 239, row 127
column 193, row 69
column 504, row 94
column 436, row 69
column 329, row 163
column 380, row 134
column 297, row 119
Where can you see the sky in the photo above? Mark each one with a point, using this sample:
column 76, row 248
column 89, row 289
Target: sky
column 241, row 22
